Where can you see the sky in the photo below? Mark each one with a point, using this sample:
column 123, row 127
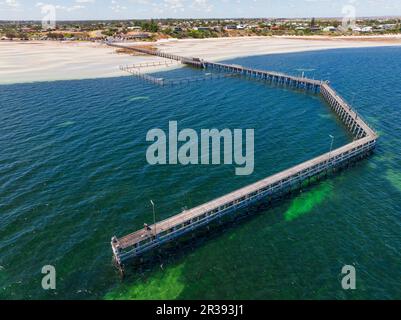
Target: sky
column 141, row 9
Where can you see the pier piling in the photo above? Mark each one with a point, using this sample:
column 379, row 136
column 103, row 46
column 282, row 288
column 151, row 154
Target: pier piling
column 135, row 244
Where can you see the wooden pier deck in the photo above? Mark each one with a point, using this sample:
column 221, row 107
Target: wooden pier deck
column 173, row 81
column 166, row 63
column 273, row 77
column 270, row 76
column 137, row 243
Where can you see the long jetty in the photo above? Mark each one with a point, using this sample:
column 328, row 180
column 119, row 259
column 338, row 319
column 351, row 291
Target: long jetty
column 152, row 236
column 270, row 76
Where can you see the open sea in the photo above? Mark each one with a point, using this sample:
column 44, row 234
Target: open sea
column 73, row 173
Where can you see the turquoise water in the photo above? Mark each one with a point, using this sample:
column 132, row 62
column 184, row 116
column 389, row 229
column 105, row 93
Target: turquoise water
column 73, row 173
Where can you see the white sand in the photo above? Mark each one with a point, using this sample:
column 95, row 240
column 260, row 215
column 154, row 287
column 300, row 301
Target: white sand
column 226, row 48
column 47, row 61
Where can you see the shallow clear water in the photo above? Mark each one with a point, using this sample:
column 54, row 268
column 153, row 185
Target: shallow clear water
column 73, row 173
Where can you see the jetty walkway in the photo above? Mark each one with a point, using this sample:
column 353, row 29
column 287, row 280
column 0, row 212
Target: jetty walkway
column 141, row 241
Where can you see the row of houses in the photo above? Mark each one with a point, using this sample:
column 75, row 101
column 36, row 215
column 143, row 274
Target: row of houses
column 211, row 28
column 361, row 29
column 297, row 27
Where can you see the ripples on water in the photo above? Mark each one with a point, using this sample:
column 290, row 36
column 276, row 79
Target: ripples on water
column 73, row 173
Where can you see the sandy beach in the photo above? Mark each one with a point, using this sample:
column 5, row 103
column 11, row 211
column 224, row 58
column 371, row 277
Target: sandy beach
column 227, row 48
column 49, row 61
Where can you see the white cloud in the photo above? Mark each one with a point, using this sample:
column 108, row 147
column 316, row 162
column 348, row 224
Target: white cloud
column 174, row 4
column 69, row 9
column 85, row 1
column 64, row 8
column 116, row 7
column 202, row 5
column 140, row 1
column 12, row 3
column 181, row 5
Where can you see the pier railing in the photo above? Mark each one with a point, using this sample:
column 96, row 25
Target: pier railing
column 137, row 243
column 273, row 77
column 170, row 82
column 141, row 241
column 165, row 63
column 270, row 76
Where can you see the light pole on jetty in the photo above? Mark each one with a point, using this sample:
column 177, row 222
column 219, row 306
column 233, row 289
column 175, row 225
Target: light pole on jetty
column 154, row 217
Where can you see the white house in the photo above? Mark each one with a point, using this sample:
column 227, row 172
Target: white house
column 329, row 29
column 367, row 29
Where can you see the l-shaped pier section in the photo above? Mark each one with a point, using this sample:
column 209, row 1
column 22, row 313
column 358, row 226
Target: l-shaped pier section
column 139, row 242
column 273, row 77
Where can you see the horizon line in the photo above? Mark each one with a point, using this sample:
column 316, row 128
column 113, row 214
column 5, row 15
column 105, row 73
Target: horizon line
column 211, row 18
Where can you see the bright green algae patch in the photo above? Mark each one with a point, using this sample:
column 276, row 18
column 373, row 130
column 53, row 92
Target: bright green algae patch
column 164, row 284
column 90, row 181
column 169, row 283
column 307, row 201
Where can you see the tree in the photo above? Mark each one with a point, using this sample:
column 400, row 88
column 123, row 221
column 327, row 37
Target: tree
column 55, row 36
column 108, row 33
column 150, row 26
column 168, row 31
column 11, row 34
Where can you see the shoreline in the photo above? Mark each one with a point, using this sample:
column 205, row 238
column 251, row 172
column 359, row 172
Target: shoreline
column 255, row 46
column 37, row 61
